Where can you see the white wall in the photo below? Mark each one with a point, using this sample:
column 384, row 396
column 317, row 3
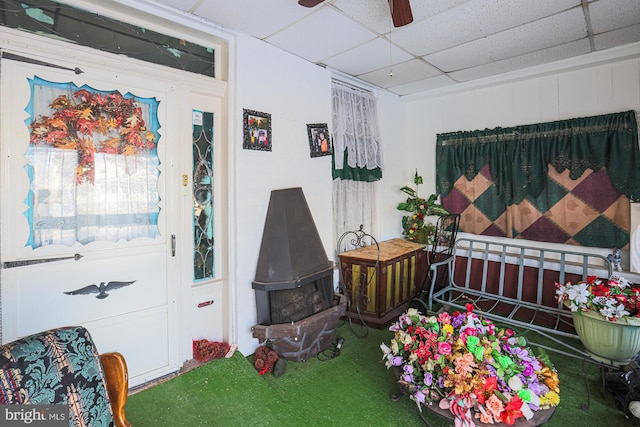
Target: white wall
column 601, row 89
column 295, row 92
column 398, row 166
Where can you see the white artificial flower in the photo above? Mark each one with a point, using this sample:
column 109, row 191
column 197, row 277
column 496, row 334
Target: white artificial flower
column 385, row 349
column 574, row 307
column 621, row 282
column 394, row 346
column 614, row 312
column 526, row 411
column 406, row 339
column 620, row 311
column 515, row 383
column 603, row 301
column 579, row 294
column 606, row 312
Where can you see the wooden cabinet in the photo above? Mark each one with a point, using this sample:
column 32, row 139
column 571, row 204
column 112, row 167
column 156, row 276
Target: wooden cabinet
column 380, row 288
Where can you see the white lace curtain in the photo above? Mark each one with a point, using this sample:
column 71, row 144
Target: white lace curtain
column 355, row 127
column 356, row 133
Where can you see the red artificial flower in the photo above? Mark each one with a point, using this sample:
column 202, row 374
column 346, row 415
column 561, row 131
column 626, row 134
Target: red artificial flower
column 600, row 290
column 488, row 386
column 591, row 280
column 512, row 411
column 423, row 352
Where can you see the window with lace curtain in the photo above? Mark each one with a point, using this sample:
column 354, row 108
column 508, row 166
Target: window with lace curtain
column 357, row 162
column 568, row 181
column 93, row 165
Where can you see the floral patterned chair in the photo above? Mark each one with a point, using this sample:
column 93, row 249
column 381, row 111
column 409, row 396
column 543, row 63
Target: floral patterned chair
column 62, row 366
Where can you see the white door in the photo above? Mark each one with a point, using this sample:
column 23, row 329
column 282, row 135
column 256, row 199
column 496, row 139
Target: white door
column 103, row 202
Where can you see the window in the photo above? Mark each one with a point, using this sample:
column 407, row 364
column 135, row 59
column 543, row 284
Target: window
column 93, row 165
column 53, row 19
column 203, row 231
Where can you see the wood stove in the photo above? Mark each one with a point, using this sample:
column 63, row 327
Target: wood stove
column 297, row 307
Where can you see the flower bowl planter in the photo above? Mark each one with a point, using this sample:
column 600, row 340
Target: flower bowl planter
column 470, row 370
column 539, row 417
column 614, row 342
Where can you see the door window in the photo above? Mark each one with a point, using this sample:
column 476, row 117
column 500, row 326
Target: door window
column 93, row 165
column 203, row 230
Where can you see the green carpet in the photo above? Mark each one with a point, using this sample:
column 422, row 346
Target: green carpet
column 350, row 390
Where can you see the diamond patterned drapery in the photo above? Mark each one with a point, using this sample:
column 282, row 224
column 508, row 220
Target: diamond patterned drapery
column 566, row 182
column 569, row 211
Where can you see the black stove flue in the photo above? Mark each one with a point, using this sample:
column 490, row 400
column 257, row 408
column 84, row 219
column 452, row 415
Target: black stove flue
column 294, row 277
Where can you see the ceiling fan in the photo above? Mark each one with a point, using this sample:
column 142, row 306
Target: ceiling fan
column 400, row 10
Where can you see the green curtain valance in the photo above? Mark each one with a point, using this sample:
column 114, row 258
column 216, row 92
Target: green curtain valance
column 354, row 174
column 519, row 157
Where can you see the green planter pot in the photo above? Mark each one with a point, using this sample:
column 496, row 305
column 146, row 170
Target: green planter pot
column 611, row 342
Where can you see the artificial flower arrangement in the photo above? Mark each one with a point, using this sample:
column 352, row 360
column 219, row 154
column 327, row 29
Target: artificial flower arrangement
column 471, row 367
column 614, row 299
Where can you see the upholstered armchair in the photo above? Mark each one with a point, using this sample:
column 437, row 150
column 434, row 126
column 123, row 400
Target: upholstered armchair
column 62, row 366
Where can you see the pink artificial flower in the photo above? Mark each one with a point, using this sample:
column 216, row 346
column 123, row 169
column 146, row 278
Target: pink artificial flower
column 444, row 348
column 444, row 318
column 494, row 405
column 471, row 331
column 464, row 364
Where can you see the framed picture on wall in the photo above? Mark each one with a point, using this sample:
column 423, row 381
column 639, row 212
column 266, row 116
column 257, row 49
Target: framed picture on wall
column 257, row 130
column 319, row 139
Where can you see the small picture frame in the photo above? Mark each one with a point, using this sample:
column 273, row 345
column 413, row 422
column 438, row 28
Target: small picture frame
column 319, row 140
column 257, row 130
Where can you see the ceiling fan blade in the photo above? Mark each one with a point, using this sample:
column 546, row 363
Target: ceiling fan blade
column 401, row 12
column 309, row 3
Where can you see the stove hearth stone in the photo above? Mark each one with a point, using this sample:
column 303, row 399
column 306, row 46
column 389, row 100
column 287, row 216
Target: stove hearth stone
column 304, row 339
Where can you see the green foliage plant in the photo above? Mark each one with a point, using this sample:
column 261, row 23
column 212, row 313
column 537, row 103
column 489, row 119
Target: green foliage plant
column 415, row 227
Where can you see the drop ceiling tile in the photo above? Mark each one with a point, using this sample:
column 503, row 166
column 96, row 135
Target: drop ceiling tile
column 321, row 35
column 540, row 34
column 422, row 85
column 423, row 9
column 258, row 18
column 556, row 53
column 184, row 5
column 617, row 37
column 405, row 72
column 373, row 14
column 473, row 20
column 476, row 52
column 607, row 15
column 372, row 55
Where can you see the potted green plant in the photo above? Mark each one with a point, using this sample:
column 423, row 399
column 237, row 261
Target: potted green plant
column 415, row 227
